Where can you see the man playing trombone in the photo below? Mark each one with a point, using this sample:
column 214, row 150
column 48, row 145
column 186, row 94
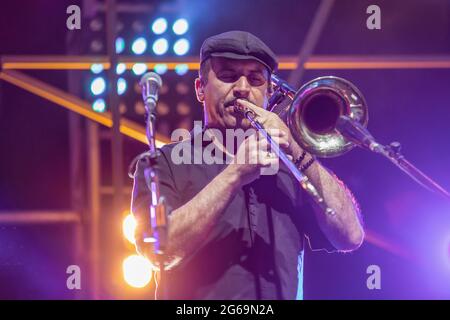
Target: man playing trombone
column 240, row 234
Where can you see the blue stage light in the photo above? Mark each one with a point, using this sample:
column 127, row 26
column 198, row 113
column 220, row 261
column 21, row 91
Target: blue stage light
column 98, row 86
column 96, row 68
column 159, row 26
column 160, row 46
column 139, row 68
column 181, row 47
column 181, row 69
column 120, row 68
column 180, row 26
column 121, row 86
column 160, row 68
column 120, row 45
column 139, row 46
column 99, row 105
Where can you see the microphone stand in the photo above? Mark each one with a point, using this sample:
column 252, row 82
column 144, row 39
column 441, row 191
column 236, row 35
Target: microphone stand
column 158, row 214
column 361, row 136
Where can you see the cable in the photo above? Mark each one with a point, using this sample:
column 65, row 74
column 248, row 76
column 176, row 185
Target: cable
column 156, row 285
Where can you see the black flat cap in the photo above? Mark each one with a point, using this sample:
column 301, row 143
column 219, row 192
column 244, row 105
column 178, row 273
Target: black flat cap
column 238, row 45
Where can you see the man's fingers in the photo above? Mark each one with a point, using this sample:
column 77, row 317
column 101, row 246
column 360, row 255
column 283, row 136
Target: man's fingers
column 278, row 136
column 260, row 111
column 269, row 162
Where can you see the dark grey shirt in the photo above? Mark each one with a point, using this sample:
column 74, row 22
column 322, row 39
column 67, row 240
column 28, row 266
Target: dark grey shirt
column 255, row 250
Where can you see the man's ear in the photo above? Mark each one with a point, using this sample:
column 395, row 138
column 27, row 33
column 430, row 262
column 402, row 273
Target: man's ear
column 199, row 90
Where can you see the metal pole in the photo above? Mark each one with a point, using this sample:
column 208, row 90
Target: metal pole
column 76, row 176
column 76, row 188
column 93, row 161
column 117, row 156
column 116, row 143
column 310, row 42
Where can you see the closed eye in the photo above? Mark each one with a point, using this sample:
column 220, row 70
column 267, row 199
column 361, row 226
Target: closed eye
column 256, row 79
column 228, row 76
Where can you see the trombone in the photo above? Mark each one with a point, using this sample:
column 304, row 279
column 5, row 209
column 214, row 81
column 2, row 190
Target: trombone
column 328, row 117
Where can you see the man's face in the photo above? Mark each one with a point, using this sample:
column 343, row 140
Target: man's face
column 228, row 80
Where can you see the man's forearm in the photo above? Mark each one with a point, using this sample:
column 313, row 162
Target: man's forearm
column 191, row 223
column 344, row 229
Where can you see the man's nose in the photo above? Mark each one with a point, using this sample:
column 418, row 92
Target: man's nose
column 241, row 88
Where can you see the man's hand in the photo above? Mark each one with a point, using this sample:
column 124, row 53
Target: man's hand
column 271, row 120
column 252, row 155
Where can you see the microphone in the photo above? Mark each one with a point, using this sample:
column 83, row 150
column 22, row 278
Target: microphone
column 150, row 84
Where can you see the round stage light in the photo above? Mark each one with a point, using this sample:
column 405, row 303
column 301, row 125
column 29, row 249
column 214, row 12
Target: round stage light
column 139, row 46
column 96, row 25
column 120, row 45
column 181, row 69
column 182, row 88
column 180, row 26
column 96, row 68
column 162, row 108
column 139, row 108
column 139, row 68
column 183, row 109
column 119, row 26
column 96, row 45
column 137, row 271
column 160, row 46
column 99, row 105
column 159, row 26
column 98, row 86
column 138, row 26
column 122, row 108
column 160, row 68
column 120, row 68
column 121, row 86
column 181, row 47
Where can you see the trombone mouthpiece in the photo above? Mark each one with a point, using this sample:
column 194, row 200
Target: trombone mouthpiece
column 246, row 112
column 239, row 108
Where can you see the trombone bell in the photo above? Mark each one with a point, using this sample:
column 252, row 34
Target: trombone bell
column 315, row 109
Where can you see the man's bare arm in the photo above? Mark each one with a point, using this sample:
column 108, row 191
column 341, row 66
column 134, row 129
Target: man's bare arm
column 344, row 229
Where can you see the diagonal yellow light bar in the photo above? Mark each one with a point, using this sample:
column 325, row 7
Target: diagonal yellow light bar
column 319, row 62
column 76, row 105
